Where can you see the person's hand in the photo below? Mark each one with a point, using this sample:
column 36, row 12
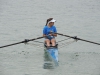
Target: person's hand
column 49, row 36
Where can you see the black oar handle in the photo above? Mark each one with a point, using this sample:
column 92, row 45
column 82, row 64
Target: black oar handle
column 78, row 38
column 25, row 41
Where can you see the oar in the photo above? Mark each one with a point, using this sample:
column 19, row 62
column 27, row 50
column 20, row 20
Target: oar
column 25, row 41
column 78, row 38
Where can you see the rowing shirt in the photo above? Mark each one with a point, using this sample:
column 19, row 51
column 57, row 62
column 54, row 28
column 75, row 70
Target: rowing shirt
column 47, row 30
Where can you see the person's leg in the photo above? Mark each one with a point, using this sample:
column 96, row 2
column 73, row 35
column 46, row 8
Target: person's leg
column 47, row 41
column 53, row 41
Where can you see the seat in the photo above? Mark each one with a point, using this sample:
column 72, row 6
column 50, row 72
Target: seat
column 56, row 46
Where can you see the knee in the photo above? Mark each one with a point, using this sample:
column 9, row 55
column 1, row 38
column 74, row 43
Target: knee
column 47, row 40
column 53, row 40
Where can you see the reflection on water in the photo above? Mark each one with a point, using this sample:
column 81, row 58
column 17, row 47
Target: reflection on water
column 49, row 63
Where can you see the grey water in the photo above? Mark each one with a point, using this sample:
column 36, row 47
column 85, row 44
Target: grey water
column 25, row 19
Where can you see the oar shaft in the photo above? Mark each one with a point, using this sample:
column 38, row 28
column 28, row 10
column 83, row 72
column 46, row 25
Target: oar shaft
column 78, row 38
column 88, row 41
column 36, row 38
column 25, row 41
column 12, row 44
column 65, row 35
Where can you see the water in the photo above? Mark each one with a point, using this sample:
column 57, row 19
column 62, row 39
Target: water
column 24, row 19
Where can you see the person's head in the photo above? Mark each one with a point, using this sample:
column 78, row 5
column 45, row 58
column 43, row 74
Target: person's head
column 50, row 22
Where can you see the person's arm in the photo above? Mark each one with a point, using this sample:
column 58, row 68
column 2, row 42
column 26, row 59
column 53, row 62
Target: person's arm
column 55, row 31
column 54, row 34
column 44, row 35
column 44, row 32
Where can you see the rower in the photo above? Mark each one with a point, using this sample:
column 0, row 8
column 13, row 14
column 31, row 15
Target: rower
column 49, row 32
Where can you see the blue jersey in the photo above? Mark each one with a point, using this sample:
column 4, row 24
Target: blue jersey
column 47, row 30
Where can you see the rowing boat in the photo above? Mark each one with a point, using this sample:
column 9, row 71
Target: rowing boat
column 51, row 56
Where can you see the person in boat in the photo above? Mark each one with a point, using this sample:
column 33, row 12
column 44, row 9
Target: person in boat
column 49, row 32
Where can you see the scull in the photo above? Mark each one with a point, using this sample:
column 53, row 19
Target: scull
column 52, row 54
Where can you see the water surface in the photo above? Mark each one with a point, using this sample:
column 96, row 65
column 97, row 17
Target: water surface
column 25, row 19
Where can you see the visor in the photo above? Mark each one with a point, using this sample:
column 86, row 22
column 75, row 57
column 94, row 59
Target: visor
column 52, row 21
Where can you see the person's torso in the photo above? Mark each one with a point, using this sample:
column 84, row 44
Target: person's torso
column 49, row 29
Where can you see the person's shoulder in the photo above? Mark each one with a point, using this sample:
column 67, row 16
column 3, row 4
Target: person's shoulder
column 54, row 26
column 45, row 27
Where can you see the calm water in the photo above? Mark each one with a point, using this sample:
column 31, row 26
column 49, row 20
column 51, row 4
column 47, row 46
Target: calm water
column 25, row 19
